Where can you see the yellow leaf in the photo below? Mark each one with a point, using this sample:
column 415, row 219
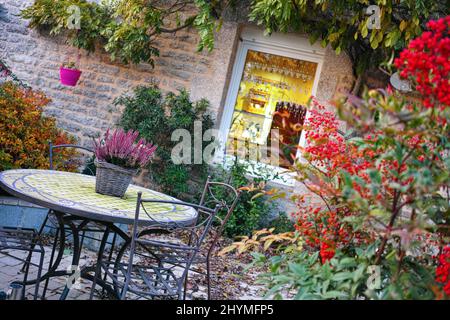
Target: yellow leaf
column 226, row 250
column 260, row 194
column 267, row 244
column 403, row 25
column 364, row 31
column 374, row 44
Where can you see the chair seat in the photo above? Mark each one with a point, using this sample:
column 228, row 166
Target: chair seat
column 24, row 239
column 145, row 280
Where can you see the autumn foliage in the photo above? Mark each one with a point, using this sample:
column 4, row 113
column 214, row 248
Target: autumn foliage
column 25, row 132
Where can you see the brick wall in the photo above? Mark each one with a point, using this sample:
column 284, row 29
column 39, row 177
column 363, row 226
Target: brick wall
column 86, row 110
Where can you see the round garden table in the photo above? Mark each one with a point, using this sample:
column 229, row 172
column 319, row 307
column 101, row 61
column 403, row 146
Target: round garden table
column 71, row 197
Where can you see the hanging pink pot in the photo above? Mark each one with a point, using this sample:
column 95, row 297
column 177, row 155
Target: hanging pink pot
column 69, row 77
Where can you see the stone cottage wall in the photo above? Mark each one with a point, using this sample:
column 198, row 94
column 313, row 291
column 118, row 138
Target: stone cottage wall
column 86, row 110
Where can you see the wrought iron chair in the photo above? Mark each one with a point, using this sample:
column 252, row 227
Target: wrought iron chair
column 14, row 240
column 89, row 164
column 228, row 198
column 158, row 265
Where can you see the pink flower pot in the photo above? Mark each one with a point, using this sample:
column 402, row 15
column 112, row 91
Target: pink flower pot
column 69, row 77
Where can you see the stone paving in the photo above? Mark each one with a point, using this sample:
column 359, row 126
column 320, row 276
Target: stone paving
column 10, row 270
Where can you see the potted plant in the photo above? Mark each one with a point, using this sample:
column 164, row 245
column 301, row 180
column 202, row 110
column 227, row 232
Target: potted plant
column 69, row 74
column 118, row 159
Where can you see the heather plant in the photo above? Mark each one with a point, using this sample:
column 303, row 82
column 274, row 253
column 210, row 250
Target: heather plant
column 120, row 148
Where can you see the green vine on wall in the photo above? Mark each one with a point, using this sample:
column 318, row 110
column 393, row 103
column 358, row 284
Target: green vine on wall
column 126, row 29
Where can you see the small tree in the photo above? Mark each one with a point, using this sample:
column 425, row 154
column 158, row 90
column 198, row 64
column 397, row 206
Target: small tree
column 156, row 116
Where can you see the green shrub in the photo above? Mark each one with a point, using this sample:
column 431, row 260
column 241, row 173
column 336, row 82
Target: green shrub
column 251, row 212
column 281, row 223
column 156, row 116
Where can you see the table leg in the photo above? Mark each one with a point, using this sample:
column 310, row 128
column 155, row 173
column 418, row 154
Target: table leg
column 63, row 221
column 84, row 272
column 52, row 270
column 75, row 258
column 98, row 267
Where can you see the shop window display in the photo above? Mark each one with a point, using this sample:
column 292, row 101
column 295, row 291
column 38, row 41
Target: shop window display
column 272, row 95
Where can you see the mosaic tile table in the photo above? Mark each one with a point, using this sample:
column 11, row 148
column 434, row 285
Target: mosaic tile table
column 74, row 193
column 73, row 200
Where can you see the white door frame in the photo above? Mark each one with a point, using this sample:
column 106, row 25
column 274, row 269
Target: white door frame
column 287, row 45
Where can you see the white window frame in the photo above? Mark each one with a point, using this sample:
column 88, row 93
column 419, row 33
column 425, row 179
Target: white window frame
column 287, row 45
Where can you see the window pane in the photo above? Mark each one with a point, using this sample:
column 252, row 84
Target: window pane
column 272, row 95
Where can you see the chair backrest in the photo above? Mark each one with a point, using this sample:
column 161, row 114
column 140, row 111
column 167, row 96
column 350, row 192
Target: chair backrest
column 89, row 167
column 223, row 194
column 196, row 233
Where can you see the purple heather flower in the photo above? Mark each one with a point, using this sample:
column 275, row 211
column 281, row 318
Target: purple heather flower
column 121, row 148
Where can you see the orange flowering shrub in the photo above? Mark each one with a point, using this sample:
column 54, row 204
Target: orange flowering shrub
column 25, row 132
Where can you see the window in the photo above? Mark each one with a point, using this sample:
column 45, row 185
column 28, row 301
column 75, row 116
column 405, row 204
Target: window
column 272, row 80
column 272, row 94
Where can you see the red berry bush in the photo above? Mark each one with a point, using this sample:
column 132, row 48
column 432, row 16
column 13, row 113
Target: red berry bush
column 377, row 198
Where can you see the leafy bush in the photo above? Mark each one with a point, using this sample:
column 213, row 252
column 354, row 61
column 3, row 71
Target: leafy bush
column 281, row 223
column 25, row 132
column 155, row 117
column 380, row 206
column 252, row 210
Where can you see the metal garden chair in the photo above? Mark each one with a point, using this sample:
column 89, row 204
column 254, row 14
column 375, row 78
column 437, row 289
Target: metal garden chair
column 14, row 240
column 160, row 256
column 215, row 193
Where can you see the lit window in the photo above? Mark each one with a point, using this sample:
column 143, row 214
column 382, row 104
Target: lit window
column 272, row 95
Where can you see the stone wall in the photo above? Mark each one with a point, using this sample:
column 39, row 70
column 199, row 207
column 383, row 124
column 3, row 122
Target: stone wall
column 86, row 110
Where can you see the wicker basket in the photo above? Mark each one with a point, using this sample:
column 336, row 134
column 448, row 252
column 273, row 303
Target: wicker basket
column 112, row 180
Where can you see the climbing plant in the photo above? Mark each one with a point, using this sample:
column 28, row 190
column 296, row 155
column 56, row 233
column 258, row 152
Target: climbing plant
column 126, row 29
column 368, row 31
